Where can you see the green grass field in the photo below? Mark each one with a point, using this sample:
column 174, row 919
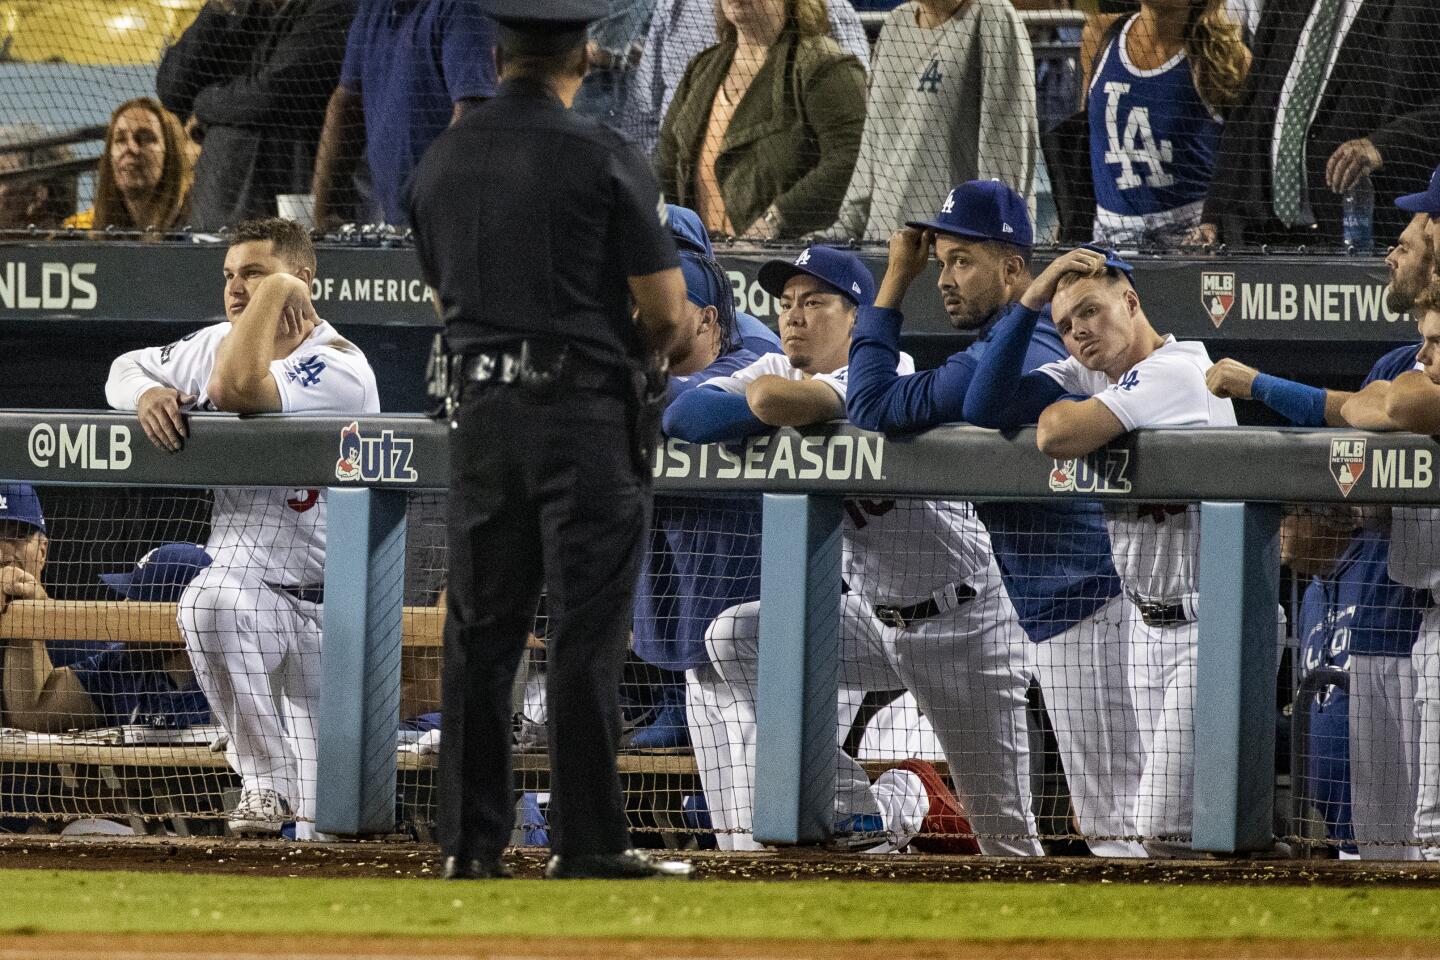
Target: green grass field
column 122, row 902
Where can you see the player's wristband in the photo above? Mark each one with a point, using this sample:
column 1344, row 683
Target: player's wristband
column 1301, row 404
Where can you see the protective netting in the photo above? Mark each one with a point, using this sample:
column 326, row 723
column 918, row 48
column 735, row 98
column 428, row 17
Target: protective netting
column 1218, row 122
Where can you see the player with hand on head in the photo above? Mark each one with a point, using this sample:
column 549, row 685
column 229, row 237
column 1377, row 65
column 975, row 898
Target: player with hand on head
column 1054, row 557
column 1120, row 376
column 1382, row 735
column 252, row 620
column 24, row 544
column 925, row 610
column 690, row 235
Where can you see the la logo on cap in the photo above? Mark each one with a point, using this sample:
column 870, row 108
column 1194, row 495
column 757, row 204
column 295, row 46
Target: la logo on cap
column 4, row 504
column 949, row 206
column 803, row 259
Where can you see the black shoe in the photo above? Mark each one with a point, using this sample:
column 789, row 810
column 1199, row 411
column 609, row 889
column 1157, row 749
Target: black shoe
column 630, row 865
column 457, row 869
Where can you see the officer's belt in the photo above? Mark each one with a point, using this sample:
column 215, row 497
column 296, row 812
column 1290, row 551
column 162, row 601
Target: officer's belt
column 953, row 595
column 1158, row 613
column 513, row 367
column 304, row 594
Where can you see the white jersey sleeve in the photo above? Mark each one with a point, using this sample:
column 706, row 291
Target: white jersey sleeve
column 1167, row 389
column 184, row 365
column 770, row 365
column 331, row 376
column 839, row 381
column 1073, row 377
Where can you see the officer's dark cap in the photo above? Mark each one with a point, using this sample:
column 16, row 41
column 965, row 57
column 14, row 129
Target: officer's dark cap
column 542, row 28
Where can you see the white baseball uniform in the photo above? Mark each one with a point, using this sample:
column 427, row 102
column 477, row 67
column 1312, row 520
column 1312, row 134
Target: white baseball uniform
column 1156, row 549
column 1415, row 562
column 966, row 666
column 250, row 622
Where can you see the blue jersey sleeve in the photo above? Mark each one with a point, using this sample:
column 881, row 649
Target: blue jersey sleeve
column 1002, row 394
column 467, row 58
column 881, row 399
column 1394, row 363
column 709, row 415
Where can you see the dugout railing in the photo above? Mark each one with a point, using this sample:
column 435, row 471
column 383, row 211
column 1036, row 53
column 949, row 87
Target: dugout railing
column 1241, row 477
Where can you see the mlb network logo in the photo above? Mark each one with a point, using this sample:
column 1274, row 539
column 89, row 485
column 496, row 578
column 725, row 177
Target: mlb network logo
column 372, row 459
column 1347, row 463
column 1217, row 292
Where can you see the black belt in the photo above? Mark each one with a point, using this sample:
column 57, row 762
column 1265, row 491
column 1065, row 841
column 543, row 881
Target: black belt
column 518, row 366
column 304, row 594
column 1157, row 614
column 902, row 617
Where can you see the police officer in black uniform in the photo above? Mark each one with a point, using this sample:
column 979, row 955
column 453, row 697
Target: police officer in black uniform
column 559, row 285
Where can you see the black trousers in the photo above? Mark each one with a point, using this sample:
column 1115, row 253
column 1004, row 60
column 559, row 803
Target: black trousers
column 542, row 490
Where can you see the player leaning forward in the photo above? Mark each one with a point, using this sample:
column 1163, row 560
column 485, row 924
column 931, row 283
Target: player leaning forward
column 252, row 620
column 1121, row 375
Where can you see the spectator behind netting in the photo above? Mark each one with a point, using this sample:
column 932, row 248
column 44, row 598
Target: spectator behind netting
column 144, row 176
column 762, row 136
column 952, row 99
column 411, row 69
column 679, row 31
column 57, row 686
column 1162, row 82
column 615, row 45
column 255, row 77
column 1339, row 90
column 38, row 203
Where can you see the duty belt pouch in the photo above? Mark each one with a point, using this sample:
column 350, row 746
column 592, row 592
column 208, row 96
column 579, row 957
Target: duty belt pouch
column 542, row 372
column 647, row 407
column 444, row 381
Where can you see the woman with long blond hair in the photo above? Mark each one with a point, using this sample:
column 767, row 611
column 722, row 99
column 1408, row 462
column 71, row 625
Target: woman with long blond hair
column 145, row 172
column 1156, row 104
column 762, row 135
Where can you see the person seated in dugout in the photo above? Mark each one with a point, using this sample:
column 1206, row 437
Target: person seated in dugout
column 79, row 685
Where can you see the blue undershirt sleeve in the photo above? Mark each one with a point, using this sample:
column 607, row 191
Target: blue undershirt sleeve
column 879, row 398
column 1000, row 397
column 708, row 415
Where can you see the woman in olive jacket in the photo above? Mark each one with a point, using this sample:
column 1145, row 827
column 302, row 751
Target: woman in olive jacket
column 764, row 130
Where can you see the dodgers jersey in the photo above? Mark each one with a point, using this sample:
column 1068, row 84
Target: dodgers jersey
column 1156, row 547
column 1414, row 531
column 1327, row 617
column 1153, row 144
column 895, row 551
column 278, row 531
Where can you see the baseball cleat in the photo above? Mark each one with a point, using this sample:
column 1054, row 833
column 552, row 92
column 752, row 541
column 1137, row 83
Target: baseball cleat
column 858, row 832
column 459, row 869
column 259, row 813
column 629, row 865
column 950, row 830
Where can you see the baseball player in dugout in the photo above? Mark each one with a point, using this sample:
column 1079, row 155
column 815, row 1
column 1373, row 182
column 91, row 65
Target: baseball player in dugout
column 252, row 619
column 1383, row 737
column 540, row 230
column 1121, row 375
column 1054, row 557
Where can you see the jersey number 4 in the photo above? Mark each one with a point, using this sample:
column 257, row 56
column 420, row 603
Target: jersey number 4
column 1136, row 145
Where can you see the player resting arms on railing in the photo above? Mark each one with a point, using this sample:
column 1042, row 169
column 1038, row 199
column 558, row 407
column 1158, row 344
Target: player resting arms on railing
column 1054, row 557
column 252, row 620
column 1120, row 376
column 925, row 608
column 1384, row 745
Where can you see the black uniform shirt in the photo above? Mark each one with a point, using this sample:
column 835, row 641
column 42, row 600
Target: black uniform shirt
column 529, row 218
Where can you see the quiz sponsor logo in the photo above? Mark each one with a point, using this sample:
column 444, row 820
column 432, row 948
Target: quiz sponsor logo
column 1105, row 471
column 88, row 446
column 372, row 459
column 781, row 456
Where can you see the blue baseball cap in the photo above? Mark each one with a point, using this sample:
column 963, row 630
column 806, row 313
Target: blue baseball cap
column 688, row 231
column 702, row 283
column 161, row 575
column 1112, row 259
column 1426, row 202
column 840, row 268
column 20, row 503
column 983, row 210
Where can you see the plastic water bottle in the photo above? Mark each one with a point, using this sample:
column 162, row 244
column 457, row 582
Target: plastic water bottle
column 1359, row 217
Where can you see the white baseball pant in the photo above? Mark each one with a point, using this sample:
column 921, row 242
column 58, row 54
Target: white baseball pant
column 256, row 654
column 967, row 671
column 1425, row 661
column 1384, row 756
column 1162, row 677
column 1084, row 674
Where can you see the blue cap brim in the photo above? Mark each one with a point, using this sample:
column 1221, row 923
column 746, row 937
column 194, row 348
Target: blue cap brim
column 121, row 583
column 775, row 274
column 1425, row 203
column 954, row 231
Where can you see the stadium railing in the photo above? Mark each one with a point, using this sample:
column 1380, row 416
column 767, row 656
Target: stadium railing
column 1241, row 477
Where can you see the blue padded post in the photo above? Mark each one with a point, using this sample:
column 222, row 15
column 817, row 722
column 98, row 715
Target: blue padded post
column 360, row 682
column 1235, row 687
column 799, row 667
